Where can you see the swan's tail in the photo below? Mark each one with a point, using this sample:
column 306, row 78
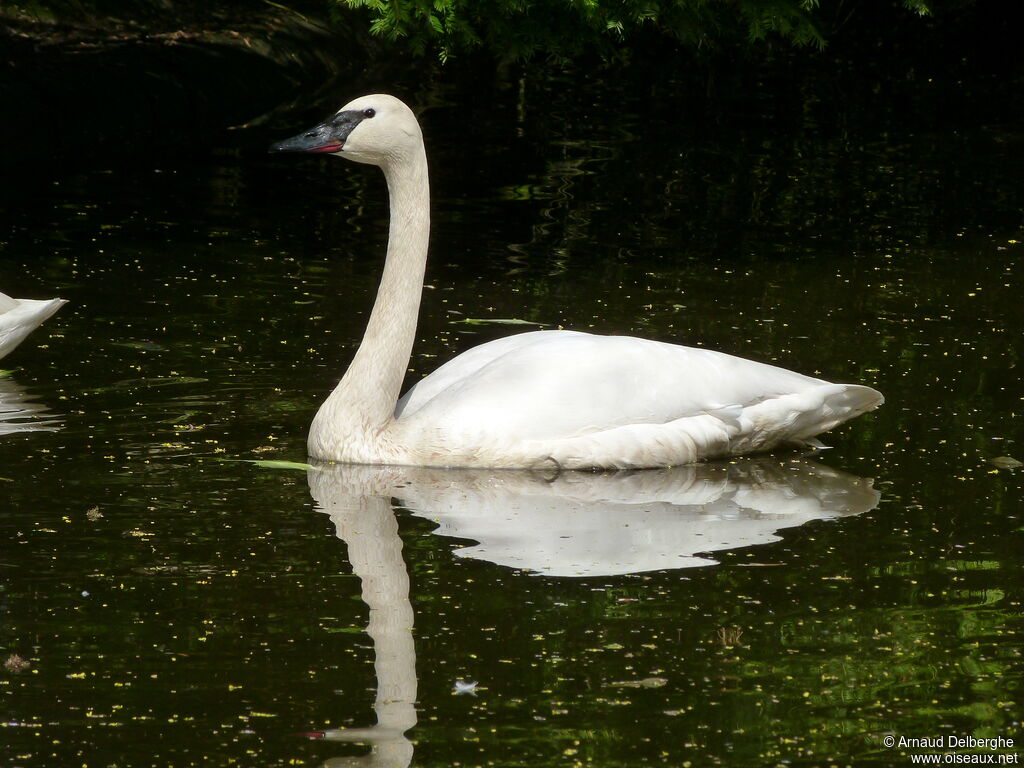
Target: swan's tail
column 25, row 316
column 841, row 402
column 726, row 430
column 798, row 417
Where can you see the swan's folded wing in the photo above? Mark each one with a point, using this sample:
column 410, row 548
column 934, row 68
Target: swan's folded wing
column 559, row 384
column 466, row 365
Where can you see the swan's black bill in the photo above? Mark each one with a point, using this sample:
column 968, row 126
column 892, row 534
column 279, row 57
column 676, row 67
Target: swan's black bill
column 329, row 136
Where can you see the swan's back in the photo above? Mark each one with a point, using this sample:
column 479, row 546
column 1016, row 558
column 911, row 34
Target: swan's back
column 618, row 401
column 548, row 384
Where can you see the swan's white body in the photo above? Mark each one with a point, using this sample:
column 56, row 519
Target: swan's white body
column 19, row 317
column 560, row 399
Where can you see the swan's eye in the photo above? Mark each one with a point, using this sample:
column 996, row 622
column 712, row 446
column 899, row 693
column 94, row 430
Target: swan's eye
column 369, row 112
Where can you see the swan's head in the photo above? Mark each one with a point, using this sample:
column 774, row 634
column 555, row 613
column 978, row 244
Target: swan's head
column 374, row 129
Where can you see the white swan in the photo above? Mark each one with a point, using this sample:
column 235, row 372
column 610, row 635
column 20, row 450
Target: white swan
column 559, row 399
column 19, row 317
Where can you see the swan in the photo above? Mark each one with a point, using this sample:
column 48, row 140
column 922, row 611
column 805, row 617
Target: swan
column 542, row 399
column 19, row 317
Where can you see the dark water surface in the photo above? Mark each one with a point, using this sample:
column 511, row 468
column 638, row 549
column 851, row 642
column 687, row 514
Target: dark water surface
column 176, row 606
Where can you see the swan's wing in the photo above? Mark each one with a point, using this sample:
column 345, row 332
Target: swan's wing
column 557, row 384
column 463, row 367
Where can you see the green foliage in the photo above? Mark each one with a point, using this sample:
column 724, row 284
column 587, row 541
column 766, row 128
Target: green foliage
column 519, row 29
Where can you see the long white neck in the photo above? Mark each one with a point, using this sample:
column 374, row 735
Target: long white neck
column 364, row 400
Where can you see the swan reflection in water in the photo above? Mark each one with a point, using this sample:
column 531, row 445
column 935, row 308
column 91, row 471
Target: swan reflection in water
column 18, row 412
column 572, row 524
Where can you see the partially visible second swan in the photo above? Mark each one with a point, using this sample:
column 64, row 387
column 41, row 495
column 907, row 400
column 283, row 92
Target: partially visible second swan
column 558, row 399
column 19, row 317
